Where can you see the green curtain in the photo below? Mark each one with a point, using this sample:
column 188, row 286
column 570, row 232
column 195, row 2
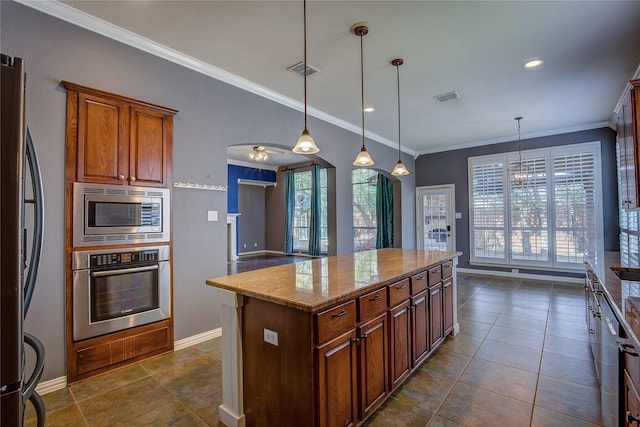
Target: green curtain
column 314, row 222
column 289, row 200
column 384, row 212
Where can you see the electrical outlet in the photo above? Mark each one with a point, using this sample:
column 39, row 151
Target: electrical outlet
column 255, row 244
column 212, row 215
column 271, row 337
column 245, row 245
column 515, row 270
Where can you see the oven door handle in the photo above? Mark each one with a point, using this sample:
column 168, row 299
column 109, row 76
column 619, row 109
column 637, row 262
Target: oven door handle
column 123, row 271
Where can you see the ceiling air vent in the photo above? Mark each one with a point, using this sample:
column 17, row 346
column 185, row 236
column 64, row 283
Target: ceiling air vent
column 449, row 96
column 299, row 69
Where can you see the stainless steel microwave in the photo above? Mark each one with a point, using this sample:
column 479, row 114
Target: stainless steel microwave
column 118, row 214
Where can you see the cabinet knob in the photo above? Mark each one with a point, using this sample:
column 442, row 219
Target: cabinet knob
column 132, row 179
column 121, row 177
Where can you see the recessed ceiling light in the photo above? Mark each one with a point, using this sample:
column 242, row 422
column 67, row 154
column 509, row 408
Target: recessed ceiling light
column 369, row 109
column 532, row 63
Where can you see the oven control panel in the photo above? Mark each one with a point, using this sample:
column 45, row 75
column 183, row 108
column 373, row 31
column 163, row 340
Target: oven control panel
column 122, row 258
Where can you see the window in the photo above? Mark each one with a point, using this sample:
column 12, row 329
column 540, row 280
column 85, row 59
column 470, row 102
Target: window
column 364, row 183
column 302, row 211
column 549, row 221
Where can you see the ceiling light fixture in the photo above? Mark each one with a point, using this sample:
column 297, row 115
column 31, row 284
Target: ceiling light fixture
column 305, row 144
column 532, row 63
column 399, row 169
column 363, row 158
column 369, row 109
column 259, row 154
column 518, row 172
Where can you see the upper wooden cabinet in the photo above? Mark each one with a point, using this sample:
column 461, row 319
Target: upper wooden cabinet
column 117, row 140
column 627, row 123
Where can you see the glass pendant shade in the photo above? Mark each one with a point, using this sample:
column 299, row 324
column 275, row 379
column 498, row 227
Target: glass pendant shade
column 305, row 144
column 400, row 169
column 518, row 173
column 363, row 158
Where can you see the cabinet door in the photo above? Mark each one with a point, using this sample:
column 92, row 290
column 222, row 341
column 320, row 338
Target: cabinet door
column 103, row 141
column 631, row 402
column 435, row 315
column 399, row 344
column 337, row 381
column 373, row 356
column 630, row 153
column 447, row 306
column 150, row 147
column 420, row 327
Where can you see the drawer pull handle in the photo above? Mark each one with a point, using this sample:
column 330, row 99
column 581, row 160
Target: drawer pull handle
column 420, row 278
column 401, row 287
column 632, row 419
column 374, row 299
column 342, row 313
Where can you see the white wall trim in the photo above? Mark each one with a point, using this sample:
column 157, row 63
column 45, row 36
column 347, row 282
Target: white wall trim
column 522, row 275
column 50, row 386
column 46, row 387
column 82, row 19
column 197, row 339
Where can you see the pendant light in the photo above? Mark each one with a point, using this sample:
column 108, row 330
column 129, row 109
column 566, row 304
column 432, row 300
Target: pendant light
column 363, row 158
column 305, row 144
column 519, row 172
column 399, row 169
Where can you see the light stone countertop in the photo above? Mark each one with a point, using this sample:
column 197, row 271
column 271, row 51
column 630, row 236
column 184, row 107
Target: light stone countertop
column 322, row 282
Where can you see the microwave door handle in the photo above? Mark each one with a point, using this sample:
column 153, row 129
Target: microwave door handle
column 123, row 271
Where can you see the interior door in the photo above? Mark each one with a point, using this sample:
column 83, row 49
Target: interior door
column 435, row 218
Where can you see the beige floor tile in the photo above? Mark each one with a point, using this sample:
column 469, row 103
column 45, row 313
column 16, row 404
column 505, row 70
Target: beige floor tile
column 568, row 398
column 511, row 382
column 396, row 413
column 425, row 390
column 172, row 413
column 69, row 416
column 125, row 403
column 476, row 407
column 99, row 384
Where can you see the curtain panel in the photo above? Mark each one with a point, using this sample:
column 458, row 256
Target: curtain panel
column 315, row 225
column 289, row 197
column 384, row 212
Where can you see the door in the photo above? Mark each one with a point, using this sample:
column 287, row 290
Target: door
column 400, row 343
column 435, row 210
column 373, row 356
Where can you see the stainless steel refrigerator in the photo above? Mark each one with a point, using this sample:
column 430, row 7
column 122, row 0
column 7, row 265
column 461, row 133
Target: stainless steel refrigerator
column 20, row 248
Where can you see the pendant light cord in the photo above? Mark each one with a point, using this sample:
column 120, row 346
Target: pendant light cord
column 398, row 76
column 304, row 9
column 362, row 87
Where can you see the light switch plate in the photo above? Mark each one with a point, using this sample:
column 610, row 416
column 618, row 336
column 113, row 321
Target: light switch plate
column 212, row 215
column 458, row 215
column 271, row 337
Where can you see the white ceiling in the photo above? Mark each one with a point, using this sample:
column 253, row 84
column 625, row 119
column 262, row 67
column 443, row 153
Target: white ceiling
column 476, row 48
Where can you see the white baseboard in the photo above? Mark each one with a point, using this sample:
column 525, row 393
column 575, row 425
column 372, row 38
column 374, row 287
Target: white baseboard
column 45, row 387
column 563, row 279
column 197, row 339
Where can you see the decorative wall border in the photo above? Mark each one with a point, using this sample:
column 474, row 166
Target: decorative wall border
column 199, row 186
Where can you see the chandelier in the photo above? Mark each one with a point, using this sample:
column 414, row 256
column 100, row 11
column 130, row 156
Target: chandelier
column 518, row 171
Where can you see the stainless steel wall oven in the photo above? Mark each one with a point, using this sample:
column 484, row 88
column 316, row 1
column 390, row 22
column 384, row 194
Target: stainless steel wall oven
column 118, row 289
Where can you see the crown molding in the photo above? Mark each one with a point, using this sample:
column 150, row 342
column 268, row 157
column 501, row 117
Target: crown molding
column 99, row 26
column 510, row 139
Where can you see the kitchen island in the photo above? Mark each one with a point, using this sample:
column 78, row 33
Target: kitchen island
column 324, row 342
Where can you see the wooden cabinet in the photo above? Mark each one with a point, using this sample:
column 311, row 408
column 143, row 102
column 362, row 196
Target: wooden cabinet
column 400, row 343
column 373, row 347
column 336, row 366
column 627, row 123
column 420, row 327
column 436, row 331
column 117, row 140
column 631, row 402
column 447, row 306
column 337, row 381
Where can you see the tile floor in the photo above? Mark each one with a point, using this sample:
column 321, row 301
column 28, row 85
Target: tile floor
column 521, row 358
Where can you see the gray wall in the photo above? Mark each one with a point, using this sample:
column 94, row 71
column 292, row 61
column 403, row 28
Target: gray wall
column 251, row 224
column 450, row 167
column 212, row 115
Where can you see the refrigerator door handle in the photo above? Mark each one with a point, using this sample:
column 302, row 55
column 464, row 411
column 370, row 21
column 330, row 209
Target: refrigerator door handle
column 38, row 219
column 29, row 387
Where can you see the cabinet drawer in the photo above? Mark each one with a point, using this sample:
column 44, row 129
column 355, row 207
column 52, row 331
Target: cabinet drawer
column 372, row 304
column 418, row 282
column 447, row 269
column 333, row 322
column 435, row 275
column 399, row 292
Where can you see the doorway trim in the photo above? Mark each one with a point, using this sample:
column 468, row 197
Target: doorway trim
column 451, row 212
